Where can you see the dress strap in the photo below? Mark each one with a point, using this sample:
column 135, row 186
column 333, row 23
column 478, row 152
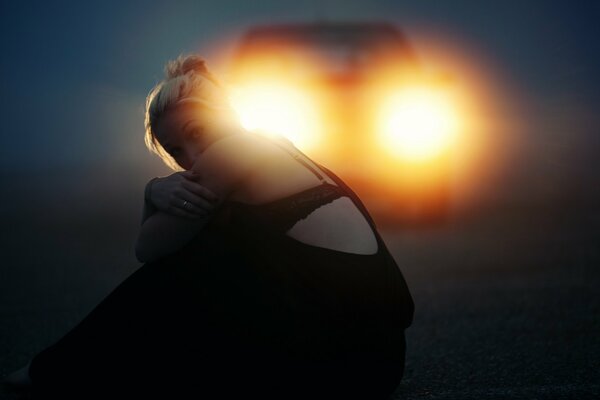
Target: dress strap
column 297, row 157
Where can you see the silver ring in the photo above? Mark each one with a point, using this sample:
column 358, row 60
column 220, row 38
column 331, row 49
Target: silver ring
column 185, row 203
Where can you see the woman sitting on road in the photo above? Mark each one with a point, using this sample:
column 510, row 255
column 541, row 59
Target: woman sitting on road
column 264, row 274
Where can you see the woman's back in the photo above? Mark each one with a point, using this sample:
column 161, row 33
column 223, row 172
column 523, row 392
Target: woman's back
column 287, row 172
column 292, row 229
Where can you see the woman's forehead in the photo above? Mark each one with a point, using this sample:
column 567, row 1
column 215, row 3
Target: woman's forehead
column 175, row 117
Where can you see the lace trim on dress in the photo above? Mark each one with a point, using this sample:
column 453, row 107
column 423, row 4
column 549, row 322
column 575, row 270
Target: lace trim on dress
column 283, row 213
column 287, row 213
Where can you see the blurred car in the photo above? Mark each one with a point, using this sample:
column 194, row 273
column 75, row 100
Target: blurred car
column 353, row 97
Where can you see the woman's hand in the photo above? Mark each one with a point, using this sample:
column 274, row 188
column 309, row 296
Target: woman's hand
column 179, row 194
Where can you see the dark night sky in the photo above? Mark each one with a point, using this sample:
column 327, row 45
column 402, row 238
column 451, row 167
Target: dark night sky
column 75, row 74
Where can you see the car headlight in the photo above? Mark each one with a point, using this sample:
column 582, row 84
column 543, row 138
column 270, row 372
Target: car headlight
column 417, row 124
column 277, row 109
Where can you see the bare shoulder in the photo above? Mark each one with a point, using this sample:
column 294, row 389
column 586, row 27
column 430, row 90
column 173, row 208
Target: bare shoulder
column 228, row 161
column 230, row 152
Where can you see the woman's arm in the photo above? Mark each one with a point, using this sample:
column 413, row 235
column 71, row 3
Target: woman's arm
column 222, row 168
column 148, row 208
column 163, row 233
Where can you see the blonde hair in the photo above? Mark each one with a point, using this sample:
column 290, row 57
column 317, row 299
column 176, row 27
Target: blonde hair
column 187, row 78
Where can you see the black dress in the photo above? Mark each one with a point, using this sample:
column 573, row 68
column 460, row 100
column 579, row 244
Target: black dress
column 243, row 310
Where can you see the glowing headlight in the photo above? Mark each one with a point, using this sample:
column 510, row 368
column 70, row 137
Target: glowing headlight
column 417, row 123
column 277, row 110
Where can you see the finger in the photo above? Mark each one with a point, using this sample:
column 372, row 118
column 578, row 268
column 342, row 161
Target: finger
column 192, row 208
column 184, row 204
column 198, row 202
column 195, row 200
column 200, row 190
column 185, row 214
column 189, row 174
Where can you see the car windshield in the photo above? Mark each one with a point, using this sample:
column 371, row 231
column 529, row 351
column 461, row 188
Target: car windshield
column 336, row 51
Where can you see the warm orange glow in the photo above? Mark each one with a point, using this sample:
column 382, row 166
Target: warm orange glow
column 277, row 109
column 417, row 123
column 398, row 134
column 492, row 110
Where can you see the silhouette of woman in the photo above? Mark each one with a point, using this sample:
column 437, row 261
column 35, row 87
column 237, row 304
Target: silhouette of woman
column 264, row 275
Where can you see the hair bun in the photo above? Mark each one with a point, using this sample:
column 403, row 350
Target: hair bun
column 184, row 64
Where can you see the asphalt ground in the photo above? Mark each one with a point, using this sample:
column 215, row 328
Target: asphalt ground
column 507, row 301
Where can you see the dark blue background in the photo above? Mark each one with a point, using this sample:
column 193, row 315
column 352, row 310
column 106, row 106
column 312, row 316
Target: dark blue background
column 506, row 296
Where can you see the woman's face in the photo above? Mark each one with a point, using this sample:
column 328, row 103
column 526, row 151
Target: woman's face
column 186, row 130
